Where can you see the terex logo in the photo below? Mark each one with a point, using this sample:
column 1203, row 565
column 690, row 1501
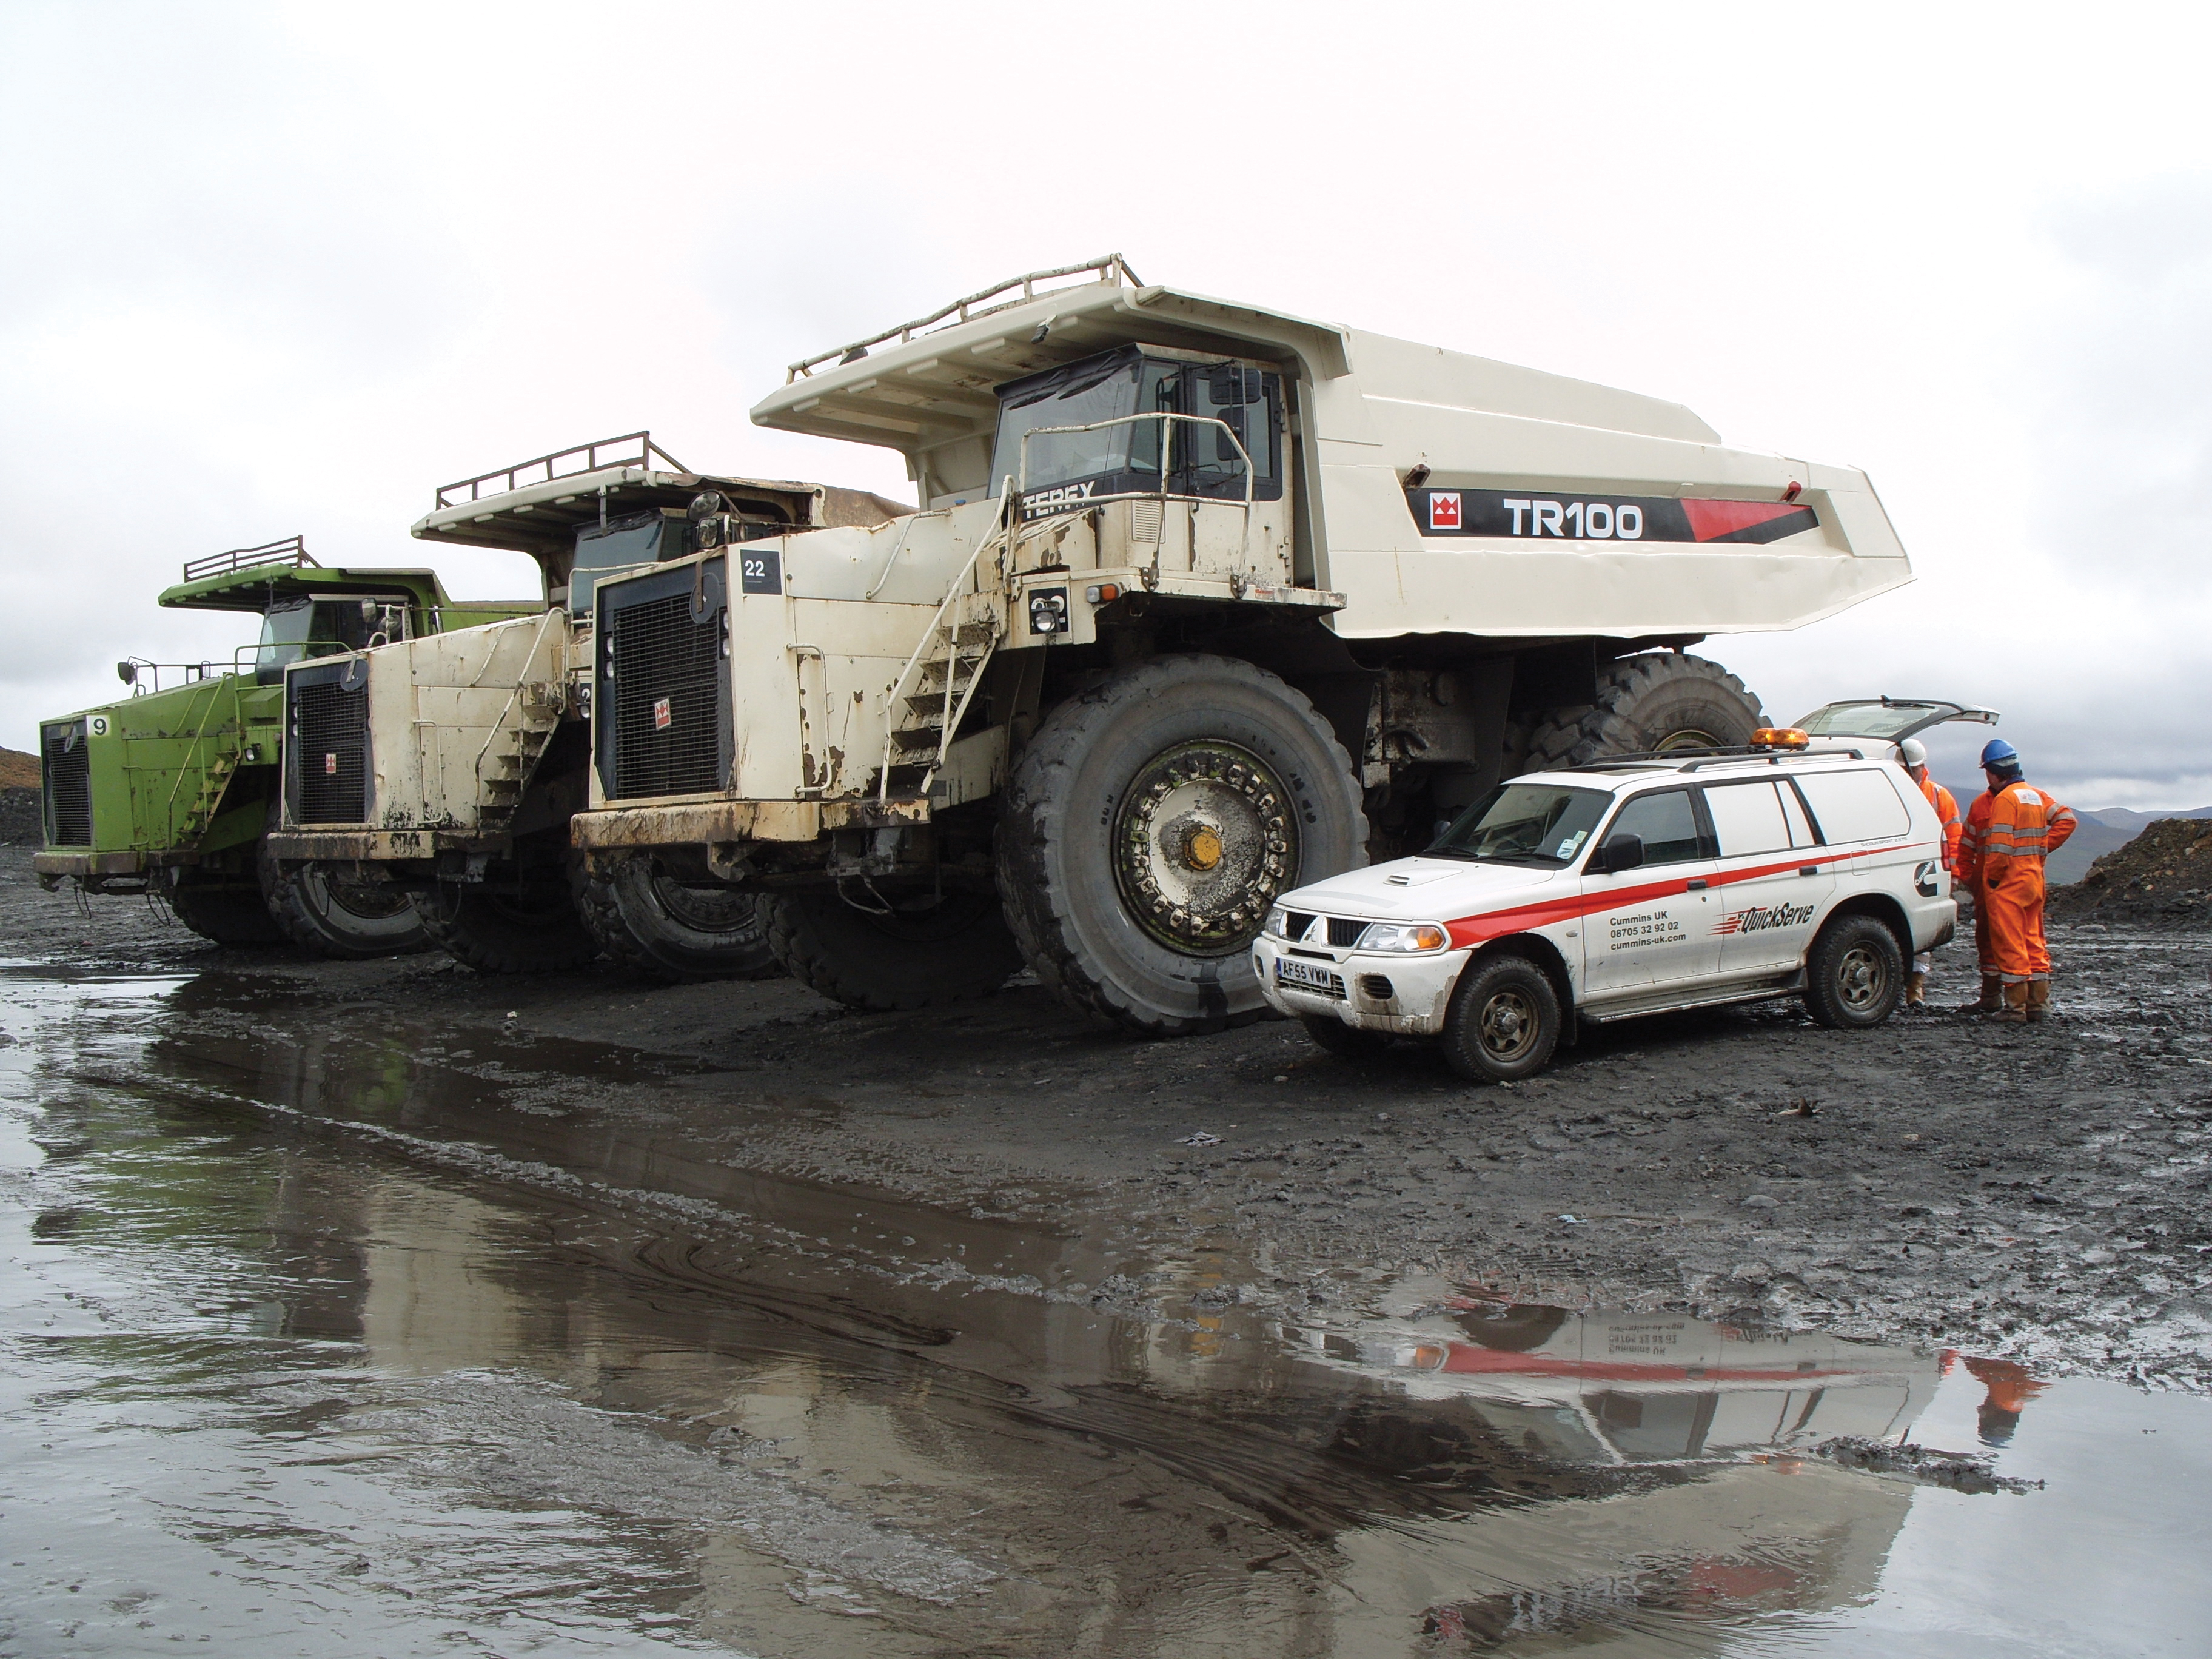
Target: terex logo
column 664, row 716
column 1444, row 509
column 1761, row 917
column 1039, row 502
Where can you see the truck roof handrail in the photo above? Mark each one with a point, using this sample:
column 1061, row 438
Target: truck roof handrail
column 291, row 553
column 636, row 449
column 1112, row 268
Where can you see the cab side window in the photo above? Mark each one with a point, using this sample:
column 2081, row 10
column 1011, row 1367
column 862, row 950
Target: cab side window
column 1666, row 820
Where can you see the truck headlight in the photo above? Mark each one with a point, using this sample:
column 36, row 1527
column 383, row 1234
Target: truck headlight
column 1278, row 922
column 1406, row 937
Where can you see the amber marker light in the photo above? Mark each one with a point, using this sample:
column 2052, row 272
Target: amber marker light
column 1779, row 736
column 1104, row 593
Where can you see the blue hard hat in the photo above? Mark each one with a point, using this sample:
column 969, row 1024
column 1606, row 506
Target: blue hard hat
column 1998, row 752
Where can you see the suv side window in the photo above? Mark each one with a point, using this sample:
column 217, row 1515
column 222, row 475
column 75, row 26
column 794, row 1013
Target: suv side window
column 1667, row 822
column 1756, row 817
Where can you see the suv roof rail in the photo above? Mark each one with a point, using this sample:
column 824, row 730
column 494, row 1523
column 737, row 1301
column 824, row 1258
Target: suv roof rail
column 291, row 553
column 636, row 449
column 1689, row 760
column 1112, row 268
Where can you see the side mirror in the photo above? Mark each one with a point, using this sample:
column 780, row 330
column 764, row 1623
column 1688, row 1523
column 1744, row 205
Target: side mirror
column 127, row 672
column 1619, row 852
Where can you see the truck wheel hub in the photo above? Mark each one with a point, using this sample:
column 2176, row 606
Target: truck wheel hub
column 1203, row 842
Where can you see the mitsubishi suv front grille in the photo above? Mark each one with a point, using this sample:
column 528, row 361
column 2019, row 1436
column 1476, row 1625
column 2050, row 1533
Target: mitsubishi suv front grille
column 326, row 746
column 68, row 781
column 664, row 695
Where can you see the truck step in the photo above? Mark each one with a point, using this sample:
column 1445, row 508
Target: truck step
column 911, row 738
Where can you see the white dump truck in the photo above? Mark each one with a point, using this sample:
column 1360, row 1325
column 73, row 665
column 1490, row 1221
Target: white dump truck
column 448, row 765
column 1204, row 601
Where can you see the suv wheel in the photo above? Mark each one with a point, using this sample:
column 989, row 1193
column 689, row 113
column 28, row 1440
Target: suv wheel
column 1854, row 974
column 1504, row 1022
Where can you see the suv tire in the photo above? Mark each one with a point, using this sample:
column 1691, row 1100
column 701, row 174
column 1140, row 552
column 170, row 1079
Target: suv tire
column 1854, row 974
column 1344, row 1041
column 1504, row 1021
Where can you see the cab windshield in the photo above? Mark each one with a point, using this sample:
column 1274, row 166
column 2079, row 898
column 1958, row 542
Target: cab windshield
column 1544, row 824
column 284, row 634
column 634, row 539
column 1082, row 394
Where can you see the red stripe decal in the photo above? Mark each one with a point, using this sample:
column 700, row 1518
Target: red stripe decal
column 1569, row 907
column 1711, row 520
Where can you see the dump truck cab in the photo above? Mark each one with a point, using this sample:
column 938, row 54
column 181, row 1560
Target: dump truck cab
column 169, row 791
column 1396, row 572
column 445, row 768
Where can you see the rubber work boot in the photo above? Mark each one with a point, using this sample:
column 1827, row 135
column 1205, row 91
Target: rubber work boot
column 1916, row 991
column 1992, row 1000
column 2015, row 1012
column 2039, row 998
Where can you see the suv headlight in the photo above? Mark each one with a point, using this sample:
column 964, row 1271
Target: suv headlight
column 1277, row 923
column 1406, row 936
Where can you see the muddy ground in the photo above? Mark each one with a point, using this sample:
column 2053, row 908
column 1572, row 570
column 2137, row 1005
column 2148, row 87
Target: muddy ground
column 2037, row 1193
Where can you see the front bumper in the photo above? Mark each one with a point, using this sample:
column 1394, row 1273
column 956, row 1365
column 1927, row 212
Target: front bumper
column 714, row 823
column 1419, row 994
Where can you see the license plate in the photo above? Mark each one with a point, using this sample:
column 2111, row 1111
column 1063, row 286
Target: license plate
column 1308, row 976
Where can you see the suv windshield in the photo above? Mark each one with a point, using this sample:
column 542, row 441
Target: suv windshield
column 1538, row 823
column 1869, row 720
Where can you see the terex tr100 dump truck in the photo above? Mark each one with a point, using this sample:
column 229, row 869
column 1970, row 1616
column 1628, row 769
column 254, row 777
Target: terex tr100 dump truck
column 1207, row 601
column 169, row 792
column 445, row 768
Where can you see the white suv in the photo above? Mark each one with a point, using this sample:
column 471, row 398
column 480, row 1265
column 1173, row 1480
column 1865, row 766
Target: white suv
column 1624, row 887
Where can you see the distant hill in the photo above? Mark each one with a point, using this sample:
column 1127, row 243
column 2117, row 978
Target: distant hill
column 2105, row 829
column 18, row 770
column 2162, row 876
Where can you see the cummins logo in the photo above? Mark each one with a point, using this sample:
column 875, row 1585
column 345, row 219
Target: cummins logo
column 1763, row 916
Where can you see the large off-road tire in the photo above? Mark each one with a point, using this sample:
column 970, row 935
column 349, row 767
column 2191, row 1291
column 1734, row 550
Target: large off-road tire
column 928, row 952
column 351, row 920
column 223, row 909
column 662, row 929
column 498, row 930
column 1659, row 700
column 1150, row 824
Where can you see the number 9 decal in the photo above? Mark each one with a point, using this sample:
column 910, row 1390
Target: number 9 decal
column 99, row 725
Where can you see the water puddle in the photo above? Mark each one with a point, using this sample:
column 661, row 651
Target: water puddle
column 334, row 1328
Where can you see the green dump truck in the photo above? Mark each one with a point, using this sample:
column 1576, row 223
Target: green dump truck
column 170, row 791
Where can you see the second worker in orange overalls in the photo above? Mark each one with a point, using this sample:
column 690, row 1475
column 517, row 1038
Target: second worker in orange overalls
column 2010, row 830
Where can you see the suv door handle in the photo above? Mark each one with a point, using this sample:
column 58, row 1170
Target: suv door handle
column 1698, row 886
column 1808, row 869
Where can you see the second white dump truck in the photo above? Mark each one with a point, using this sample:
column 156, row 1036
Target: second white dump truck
column 447, row 766
column 1205, row 601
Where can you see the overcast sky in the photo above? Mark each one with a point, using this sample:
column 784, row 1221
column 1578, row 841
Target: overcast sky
column 271, row 269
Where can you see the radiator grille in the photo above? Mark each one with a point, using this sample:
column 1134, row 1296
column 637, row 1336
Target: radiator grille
column 68, row 787
column 329, row 751
column 1342, row 933
column 663, row 669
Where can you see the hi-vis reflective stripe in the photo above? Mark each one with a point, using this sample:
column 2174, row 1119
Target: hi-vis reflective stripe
column 1568, row 907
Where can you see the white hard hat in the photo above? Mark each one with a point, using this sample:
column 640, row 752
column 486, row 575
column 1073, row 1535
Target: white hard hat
column 1914, row 751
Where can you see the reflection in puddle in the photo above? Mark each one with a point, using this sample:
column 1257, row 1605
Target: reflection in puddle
column 365, row 1333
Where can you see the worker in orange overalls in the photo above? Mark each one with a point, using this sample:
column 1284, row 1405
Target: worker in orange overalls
column 2023, row 826
column 1969, row 876
column 1914, row 753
